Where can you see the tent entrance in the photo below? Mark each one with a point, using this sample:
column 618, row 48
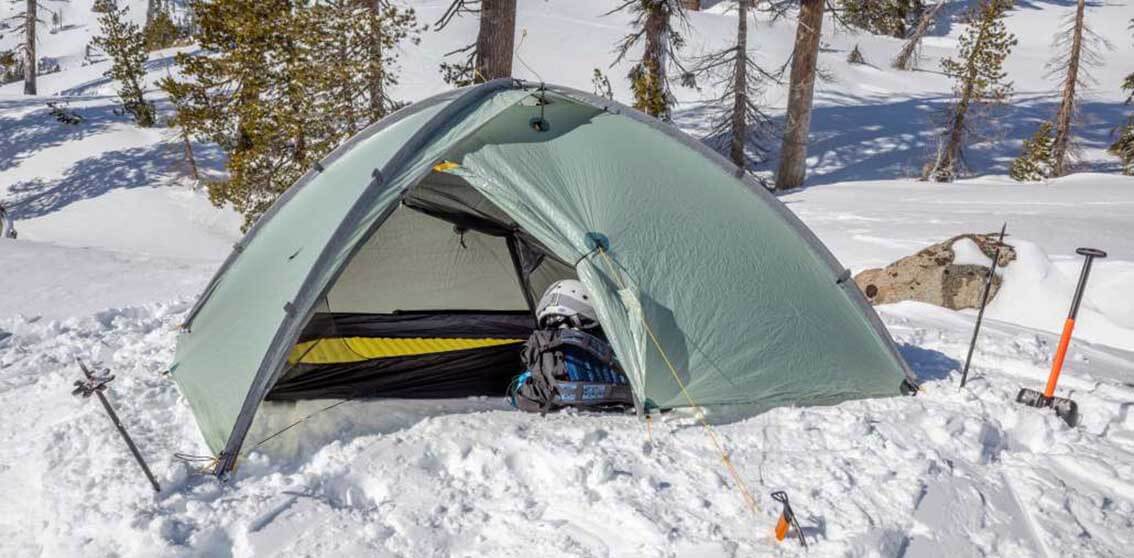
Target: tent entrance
column 436, row 304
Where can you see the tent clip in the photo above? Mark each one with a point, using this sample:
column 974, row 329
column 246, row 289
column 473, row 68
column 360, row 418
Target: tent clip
column 318, row 167
column 289, row 308
column 843, row 277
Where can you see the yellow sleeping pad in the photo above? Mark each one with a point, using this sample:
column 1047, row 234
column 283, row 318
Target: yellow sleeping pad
column 336, row 350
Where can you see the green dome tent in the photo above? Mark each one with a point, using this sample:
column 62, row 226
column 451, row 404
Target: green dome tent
column 406, row 263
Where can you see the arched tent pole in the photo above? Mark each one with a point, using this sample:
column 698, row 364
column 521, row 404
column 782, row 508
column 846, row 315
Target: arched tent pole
column 299, row 310
column 303, row 181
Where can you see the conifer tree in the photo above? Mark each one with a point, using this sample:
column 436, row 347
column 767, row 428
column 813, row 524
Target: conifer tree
column 906, row 58
column 238, row 97
column 1079, row 50
column 1123, row 146
column 283, row 83
column 124, row 43
column 805, row 56
column 980, row 82
column 881, row 17
column 1036, row 161
column 740, row 127
column 160, row 31
column 655, row 26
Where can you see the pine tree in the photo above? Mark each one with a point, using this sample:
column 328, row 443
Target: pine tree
column 238, row 98
column 906, row 59
column 160, row 31
column 1079, row 47
column 980, row 81
column 1123, row 146
column 882, row 17
column 1037, row 160
column 490, row 57
column 654, row 25
column 740, row 126
column 805, row 55
column 283, row 83
column 124, row 43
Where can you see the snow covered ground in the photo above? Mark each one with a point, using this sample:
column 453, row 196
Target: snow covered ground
column 116, row 242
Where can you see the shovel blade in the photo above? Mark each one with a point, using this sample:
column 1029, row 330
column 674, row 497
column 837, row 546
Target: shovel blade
column 1065, row 409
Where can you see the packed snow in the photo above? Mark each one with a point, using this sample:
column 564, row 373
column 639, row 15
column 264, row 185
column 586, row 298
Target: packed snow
column 116, row 241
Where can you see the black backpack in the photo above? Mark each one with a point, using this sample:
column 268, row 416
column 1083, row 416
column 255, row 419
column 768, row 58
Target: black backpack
column 569, row 368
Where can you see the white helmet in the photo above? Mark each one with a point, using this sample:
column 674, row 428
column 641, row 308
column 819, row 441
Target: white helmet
column 566, row 302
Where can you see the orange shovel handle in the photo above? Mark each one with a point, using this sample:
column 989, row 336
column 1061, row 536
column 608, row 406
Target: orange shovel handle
column 1060, row 354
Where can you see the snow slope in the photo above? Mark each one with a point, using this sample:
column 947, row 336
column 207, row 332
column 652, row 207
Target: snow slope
column 116, row 242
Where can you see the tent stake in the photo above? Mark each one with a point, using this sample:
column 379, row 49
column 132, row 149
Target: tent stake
column 96, row 385
column 983, row 303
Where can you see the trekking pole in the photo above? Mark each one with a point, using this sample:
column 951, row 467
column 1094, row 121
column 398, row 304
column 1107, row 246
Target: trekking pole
column 96, row 385
column 983, row 303
column 1065, row 408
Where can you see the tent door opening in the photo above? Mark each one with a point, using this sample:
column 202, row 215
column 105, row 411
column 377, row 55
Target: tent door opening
column 436, row 304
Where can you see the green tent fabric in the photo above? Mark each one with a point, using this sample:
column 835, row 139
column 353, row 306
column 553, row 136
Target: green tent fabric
column 696, row 270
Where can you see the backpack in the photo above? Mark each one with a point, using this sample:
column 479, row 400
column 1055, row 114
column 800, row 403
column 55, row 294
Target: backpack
column 569, row 368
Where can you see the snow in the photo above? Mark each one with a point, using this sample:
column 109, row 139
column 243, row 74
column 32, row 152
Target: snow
column 966, row 252
column 116, row 241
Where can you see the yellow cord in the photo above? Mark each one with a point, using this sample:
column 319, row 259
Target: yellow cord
column 745, row 493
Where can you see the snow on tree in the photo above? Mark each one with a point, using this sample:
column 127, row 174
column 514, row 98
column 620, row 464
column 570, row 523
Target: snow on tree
column 1035, row 162
column 980, row 82
column 654, row 25
column 740, row 126
column 124, row 43
column 283, row 83
column 490, row 57
column 805, row 55
column 907, row 57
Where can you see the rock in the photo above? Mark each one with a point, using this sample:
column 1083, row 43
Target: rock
column 934, row 276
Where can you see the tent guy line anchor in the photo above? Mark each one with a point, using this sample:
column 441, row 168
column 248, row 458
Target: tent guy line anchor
column 96, row 384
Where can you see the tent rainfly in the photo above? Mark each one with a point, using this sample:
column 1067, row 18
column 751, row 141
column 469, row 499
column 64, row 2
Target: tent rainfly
column 406, row 265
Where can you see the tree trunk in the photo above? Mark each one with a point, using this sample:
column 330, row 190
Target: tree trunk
column 29, row 49
column 793, row 154
column 1062, row 141
column 904, row 60
column 188, row 151
column 945, row 169
column 654, row 102
column 496, row 39
column 376, row 77
column 693, row 5
column 740, row 85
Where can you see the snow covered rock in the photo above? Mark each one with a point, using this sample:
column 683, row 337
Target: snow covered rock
column 949, row 274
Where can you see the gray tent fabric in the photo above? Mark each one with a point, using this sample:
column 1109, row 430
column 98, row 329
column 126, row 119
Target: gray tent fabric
column 704, row 279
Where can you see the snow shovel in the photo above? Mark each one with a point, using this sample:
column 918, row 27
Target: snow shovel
column 1065, row 409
